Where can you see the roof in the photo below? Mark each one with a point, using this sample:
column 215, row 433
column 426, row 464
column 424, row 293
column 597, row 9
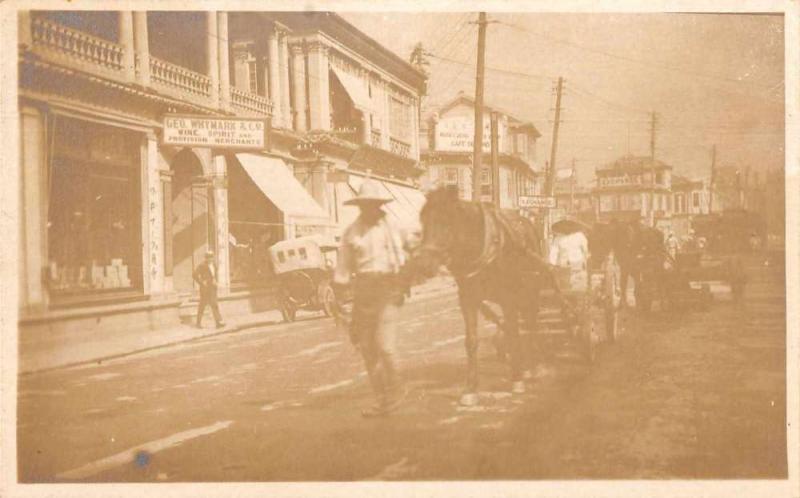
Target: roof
column 680, row 181
column 632, row 164
column 336, row 27
column 513, row 121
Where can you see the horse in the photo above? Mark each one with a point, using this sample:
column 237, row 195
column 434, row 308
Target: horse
column 494, row 257
column 640, row 254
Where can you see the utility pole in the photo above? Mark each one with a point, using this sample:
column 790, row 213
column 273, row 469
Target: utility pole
column 477, row 145
column 572, row 188
column 653, row 168
column 551, row 170
column 495, row 166
column 713, row 178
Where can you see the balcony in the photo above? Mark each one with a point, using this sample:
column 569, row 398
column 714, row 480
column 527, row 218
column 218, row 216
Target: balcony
column 81, row 49
column 375, row 138
column 177, row 78
column 250, row 103
column 399, row 147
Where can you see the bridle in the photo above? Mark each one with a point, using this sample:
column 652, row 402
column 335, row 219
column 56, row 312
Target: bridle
column 493, row 240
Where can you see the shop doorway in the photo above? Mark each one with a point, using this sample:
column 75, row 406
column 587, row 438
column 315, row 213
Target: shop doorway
column 190, row 219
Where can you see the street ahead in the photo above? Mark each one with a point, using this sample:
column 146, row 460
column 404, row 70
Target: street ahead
column 699, row 395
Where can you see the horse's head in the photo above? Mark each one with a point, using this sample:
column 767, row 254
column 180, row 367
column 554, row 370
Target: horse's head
column 438, row 218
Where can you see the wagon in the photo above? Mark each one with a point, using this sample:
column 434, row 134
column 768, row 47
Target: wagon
column 304, row 268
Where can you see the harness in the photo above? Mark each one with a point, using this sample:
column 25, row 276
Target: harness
column 493, row 242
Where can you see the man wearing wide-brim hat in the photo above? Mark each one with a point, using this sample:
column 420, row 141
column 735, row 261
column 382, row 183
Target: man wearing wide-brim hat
column 371, row 256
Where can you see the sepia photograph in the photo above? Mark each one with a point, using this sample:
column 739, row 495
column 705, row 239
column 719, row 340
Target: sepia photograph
column 320, row 244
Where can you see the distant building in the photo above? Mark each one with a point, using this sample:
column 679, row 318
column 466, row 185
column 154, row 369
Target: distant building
column 624, row 189
column 447, row 155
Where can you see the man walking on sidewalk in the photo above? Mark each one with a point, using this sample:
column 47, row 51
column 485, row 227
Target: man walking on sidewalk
column 372, row 253
column 206, row 277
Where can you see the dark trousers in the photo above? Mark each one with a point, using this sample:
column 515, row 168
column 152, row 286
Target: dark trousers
column 376, row 304
column 208, row 297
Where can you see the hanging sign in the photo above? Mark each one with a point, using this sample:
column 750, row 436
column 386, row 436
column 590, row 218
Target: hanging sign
column 215, row 132
column 536, row 201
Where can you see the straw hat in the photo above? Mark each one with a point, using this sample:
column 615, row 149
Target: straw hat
column 569, row 225
column 369, row 192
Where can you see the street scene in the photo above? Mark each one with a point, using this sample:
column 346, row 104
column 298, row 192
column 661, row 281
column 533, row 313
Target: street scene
column 395, row 246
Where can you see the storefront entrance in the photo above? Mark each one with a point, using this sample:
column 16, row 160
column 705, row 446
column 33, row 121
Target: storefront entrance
column 190, row 219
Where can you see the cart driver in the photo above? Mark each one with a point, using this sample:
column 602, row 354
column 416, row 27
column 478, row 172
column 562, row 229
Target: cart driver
column 372, row 255
column 569, row 249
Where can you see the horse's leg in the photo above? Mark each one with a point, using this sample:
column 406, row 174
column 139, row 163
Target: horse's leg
column 469, row 309
column 624, row 275
column 511, row 322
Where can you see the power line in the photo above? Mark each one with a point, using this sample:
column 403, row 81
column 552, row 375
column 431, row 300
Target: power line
column 637, row 61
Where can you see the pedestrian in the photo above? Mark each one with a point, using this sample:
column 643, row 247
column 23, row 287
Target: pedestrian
column 671, row 245
column 370, row 259
column 206, row 277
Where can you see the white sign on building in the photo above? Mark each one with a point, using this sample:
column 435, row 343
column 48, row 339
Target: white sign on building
column 226, row 133
column 537, row 201
column 457, row 134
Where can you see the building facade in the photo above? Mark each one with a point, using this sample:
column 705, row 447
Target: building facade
column 632, row 188
column 447, row 155
column 115, row 219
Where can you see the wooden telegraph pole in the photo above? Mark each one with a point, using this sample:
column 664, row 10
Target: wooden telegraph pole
column 477, row 145
column 495, row 165
column 653, row 168
column 713, row 175
column 551, row 170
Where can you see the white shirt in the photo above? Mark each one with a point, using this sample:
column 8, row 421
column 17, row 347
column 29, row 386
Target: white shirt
column 365, row 248
column 569, row 250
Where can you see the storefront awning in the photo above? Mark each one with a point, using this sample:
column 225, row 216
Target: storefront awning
column 275, row 180
column 401, row 209
column 355, row 89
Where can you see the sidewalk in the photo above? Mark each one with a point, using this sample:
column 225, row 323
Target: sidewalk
column 107, row 344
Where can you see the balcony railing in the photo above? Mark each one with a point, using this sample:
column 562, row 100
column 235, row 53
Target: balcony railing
column 76, row 44
column 375, row 138
column 400, row 148
column 179, row 78
column 250, row 102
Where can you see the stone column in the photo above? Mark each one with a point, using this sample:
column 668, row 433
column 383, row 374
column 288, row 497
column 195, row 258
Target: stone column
column 212, row 56
column 299, row 73
column 318, row 87
column 152, row 218
column 274, row 79
column 224, row 64
column 166, row 232
column 220, row 200
column 24, row 27
column 386, row 94
column 32, row 209
column 284, row 72
column 142, row 47
column 125, row 21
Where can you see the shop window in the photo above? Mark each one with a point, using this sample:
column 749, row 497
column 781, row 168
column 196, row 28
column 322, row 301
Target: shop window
column 252, row 74
column 94, row 214
column 303, row 253
column 696, row 199
column 451, row 175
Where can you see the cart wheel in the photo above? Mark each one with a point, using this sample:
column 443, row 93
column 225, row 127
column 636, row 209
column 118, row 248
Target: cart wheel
column 288, row 311
column 588, row 336
column 613, row 297
column 328, row 300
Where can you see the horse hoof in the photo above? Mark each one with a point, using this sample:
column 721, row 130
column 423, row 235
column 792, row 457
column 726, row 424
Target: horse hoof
column 518, row 387
column 469, row 399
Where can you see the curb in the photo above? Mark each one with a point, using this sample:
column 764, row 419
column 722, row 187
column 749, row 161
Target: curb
column 228, row 329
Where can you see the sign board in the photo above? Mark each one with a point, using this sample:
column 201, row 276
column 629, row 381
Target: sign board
column 619, row 181
column 215, row 132
column 457, row 134
column 537, row 201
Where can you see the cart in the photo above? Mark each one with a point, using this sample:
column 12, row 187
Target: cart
column 304, row 267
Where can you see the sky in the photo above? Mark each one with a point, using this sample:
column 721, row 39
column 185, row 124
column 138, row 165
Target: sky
column 711, row 79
